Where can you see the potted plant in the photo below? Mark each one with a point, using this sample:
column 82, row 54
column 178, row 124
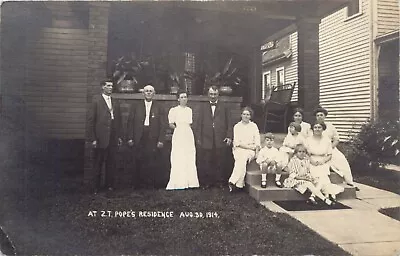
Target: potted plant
column 224, row 79
column 126, row 72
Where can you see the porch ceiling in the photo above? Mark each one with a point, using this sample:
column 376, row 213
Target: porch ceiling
column 234, row 24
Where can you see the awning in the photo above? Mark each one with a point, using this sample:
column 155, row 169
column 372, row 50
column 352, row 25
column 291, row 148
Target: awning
column 281, row 51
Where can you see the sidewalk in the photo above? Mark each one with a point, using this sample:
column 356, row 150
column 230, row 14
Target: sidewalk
column 361, row 230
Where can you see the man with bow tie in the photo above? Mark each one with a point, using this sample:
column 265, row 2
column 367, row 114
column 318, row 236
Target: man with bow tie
column 146, row 134
column 104, row 126
column 213, row 133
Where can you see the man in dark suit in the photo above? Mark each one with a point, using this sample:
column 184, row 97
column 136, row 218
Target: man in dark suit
column 146, row 132
column 104, row 126
column 213, row 132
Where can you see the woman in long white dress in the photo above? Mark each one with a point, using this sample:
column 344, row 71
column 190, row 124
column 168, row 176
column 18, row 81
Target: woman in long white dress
column 319, row 148
column 246, row 143
column 339, row 163
column 183, row 153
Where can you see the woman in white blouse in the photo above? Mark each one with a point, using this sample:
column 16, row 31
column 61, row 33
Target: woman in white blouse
column 339, row 163
column 183, row 153
column 298, row 115
column 246, row 142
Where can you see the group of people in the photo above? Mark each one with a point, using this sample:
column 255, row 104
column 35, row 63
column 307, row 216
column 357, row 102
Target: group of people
column 308, row 152
column 197, row 154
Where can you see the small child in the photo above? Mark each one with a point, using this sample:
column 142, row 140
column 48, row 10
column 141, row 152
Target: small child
column 300, row 177
column 269, row 159
column 293, row 138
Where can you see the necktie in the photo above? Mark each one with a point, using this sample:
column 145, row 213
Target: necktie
column 213, row 104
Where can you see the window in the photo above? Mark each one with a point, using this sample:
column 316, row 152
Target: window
column 266, row 86
column 353, row 8
column 190, row 62
column 280, row 76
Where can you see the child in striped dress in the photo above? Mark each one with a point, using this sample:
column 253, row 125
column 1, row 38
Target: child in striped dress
column 300, row 177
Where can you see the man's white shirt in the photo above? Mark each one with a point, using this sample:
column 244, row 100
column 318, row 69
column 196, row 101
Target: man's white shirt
column 109, row 104
column 148, row 107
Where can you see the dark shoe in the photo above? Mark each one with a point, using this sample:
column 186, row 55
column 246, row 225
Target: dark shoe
column 263, row 184
column 333, row 199
column 231, row 187
column 278, row 183
column 357, row 189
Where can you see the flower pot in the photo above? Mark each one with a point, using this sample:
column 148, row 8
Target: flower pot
column 126, row 86
column 225, row 90
column 174, row 89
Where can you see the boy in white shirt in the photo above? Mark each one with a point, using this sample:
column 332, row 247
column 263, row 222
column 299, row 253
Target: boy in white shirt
column 270, row 161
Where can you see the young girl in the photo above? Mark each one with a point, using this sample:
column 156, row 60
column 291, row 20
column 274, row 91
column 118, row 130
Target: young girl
column 269, row 159
column 300, row 177
column 293, row 138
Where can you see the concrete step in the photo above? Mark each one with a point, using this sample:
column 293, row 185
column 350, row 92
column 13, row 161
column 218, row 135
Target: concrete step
column 254, row 178
column 273, row 193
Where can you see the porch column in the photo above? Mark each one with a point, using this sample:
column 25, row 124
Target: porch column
column 255, row 76
column 97, row 59
column 308, row 65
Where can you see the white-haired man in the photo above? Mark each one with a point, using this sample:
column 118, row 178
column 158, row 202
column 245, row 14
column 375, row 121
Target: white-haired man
column 146, row 133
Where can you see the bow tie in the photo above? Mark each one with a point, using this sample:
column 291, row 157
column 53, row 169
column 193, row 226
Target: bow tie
column 213, row 104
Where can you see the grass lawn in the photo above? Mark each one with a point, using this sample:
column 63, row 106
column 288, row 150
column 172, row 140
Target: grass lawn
column 380, row 178
column 391, row 212
column 45, row 213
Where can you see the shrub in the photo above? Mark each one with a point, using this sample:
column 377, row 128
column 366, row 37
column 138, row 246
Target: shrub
column 377, row 144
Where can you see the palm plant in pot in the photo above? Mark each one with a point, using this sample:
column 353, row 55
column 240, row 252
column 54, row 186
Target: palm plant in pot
column 225, row 79
column 127, row 71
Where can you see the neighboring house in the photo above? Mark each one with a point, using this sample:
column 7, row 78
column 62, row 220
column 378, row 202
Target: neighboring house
column 359, row 64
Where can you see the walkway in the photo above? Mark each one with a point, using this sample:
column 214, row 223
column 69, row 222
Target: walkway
column 361, row 230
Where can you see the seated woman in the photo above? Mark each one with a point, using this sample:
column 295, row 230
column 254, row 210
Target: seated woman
column 298, row 119
column 300, row 177
column 293, row 138
column 339, row 163
column 319, row 149
column 246, row 142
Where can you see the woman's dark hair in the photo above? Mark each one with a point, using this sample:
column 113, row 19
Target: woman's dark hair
column 180, row 91
column 247, row 108
column 320, row 109
column 320, row 123
column 296, row 126
column 300, row 110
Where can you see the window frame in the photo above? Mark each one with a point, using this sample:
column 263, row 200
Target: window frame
column 278, row 69
column 356, row 14
column 264, row 86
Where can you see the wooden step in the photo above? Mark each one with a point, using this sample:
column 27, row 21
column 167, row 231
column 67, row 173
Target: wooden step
column 254, row 178
column 273, row 193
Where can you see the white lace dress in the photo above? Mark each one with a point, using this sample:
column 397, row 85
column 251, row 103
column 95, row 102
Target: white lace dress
column 183, row 153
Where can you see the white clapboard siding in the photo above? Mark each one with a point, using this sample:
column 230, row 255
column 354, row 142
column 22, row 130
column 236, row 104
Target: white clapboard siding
column 56, row 85
column 345, row 69
column 388, row 16
column 290, row 67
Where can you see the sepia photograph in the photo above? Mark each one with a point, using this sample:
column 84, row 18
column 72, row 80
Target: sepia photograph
column 259, row 127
